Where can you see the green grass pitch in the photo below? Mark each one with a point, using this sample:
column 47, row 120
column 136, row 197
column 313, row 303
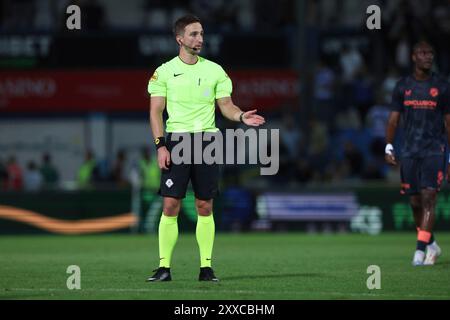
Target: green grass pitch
column 251, row 266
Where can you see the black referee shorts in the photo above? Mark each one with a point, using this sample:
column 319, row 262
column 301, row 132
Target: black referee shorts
column 421, row 173
column 204, row 177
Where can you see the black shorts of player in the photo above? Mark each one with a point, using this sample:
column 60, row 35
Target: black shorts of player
column 204, row 177
column 421, row 173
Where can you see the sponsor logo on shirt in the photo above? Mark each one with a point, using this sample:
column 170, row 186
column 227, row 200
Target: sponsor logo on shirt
column 408, row 92
column 434, row 92
column 420, row 104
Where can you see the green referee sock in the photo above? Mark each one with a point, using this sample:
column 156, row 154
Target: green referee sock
column 205, row 238
column 168, row 235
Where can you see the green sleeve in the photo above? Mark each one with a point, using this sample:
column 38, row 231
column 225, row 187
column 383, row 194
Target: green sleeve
column 224, row 85
column 157, row 86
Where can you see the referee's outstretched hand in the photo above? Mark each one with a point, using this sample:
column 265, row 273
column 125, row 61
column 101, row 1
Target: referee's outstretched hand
column 250, row 118
column 163, row 158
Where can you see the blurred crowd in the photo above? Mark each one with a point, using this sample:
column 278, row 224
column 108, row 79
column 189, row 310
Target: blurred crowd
column 337, row 136
column 34, row 177
column 220, row 15
column 157, row 15
column 92, row 173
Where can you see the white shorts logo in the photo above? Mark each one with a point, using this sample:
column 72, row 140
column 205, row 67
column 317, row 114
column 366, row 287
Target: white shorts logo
column 169, row 183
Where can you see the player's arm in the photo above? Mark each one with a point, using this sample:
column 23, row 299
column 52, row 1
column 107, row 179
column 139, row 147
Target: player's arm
column 232, row 112
column 447, row 127
column 392, row 124
column 446, row 103
column 391, row 128
column 157, row 106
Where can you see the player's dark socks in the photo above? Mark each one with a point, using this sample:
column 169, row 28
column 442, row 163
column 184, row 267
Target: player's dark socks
column 207, row 274
column 421, row 245
column 162, row 274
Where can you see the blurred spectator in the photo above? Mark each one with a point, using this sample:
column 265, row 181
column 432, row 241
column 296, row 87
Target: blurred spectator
column 156, row 14
column 318, row 147
column 303, row 171
column 351, row 62
column 376, row 121
column 207, row 10
column 15, row 175
column 45, row 14
column 246, row 19
column 18, row 14
column 149, row 169
column 403, row 54
column 337, row 171
column 388, row 85
column 87, row 174
column 363, row 95
column 151, row 204
column 354, row 159
column 324, row 93
column 32, row 177
column 48, row 171
column 291, row 147
column 118, row 174
column 348, row 119
column 291, row 136
column 373, row 171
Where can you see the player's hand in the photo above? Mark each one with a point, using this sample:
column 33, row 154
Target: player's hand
column 163, row 158
column 389, row 155
column 250, row 118
column 390, row 159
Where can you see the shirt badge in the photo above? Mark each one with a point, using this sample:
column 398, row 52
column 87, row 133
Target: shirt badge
column 434, row 92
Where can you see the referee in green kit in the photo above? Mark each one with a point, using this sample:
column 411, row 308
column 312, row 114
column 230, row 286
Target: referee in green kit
column 189, row 85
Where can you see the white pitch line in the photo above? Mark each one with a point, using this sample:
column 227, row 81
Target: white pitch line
column 228, row 291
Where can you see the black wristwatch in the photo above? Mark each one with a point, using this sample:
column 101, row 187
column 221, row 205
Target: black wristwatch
column 160, row 142
column 241, row 116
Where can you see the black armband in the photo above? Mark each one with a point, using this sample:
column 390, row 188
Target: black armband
column 160, row 142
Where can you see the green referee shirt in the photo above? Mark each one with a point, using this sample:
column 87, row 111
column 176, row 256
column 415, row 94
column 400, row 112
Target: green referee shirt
column 190, row 92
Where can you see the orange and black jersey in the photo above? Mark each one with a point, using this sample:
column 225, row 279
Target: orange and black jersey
column 422, row 105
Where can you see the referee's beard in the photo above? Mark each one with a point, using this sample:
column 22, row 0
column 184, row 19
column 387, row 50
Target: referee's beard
column 194, row 51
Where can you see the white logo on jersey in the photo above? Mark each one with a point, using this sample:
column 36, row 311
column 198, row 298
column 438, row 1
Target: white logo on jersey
column 169, row 182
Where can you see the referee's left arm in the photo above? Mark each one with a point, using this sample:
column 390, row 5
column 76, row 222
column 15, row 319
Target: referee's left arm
column 234, row 113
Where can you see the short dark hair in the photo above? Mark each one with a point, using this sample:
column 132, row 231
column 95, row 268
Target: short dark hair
column 182, row 22
column 420, row 43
